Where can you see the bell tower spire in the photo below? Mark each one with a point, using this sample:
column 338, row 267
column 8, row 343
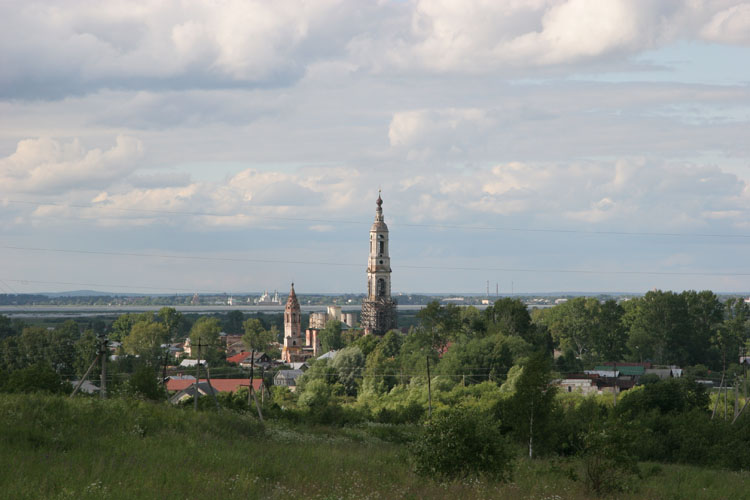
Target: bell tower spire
column 379, row 309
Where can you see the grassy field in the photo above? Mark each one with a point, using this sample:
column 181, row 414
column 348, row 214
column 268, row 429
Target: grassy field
column 55, row 447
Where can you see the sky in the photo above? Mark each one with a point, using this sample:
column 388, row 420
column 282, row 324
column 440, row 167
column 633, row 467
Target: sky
column 237, row 145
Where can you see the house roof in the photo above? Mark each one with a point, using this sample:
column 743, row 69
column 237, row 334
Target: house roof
column 288, row 374
column 192, row 362
column 623, row 369
column 219, row 384
column 237, row 358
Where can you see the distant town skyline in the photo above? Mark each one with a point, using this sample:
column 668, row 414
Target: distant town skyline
column 543, row 145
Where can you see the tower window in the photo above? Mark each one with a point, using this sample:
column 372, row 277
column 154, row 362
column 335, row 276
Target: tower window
column 381, row 287
column 381, row 247
column 381, row 261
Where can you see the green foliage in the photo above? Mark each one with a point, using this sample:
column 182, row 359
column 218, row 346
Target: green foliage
column 234, row 322
column 330, row 336
column 509, row 317
column 122, row 325
column 6, row 327
column 38, row 377
column 608, row 464
column 86, row 349
column 206, row 332
column 172, row 320
column 349, row 364
column 462, row 442
column 256, row 338
column 529, row 412
column 145, row 340
column 437, row 325
column 674, row 395
column 480, row 359
column 144, row 384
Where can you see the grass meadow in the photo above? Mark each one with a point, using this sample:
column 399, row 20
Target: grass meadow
column 55, row 447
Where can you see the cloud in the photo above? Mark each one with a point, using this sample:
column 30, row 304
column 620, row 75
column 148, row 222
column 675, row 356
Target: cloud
column 522, row 36
column 79, row 47
column 82, row 47
column 49, row 166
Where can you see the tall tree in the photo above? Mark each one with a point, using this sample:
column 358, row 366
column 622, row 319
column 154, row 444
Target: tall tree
column 205, row 332
column 609, row 337
column 145, row 340
column 530, row 410
column 171, row 318
column 705, row 315
column 437, row 325
column 657, row 324
column 234, row 322
column 509, row 317
column 256, row 339
column 330, row 336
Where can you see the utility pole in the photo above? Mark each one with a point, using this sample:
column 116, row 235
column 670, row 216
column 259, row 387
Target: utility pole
column 104, row 355
column 83, row 379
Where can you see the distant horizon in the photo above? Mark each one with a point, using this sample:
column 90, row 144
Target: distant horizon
column 94, row 293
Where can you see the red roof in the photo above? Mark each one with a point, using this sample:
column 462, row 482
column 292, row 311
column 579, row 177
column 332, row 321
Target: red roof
column 239, row 358
column 219, row 384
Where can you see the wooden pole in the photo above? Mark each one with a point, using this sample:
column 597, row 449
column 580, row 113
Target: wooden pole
column 83, row 379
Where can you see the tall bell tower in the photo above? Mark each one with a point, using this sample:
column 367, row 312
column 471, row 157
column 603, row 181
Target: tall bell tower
column 379, row 309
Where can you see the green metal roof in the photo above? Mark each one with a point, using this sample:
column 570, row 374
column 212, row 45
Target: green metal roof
column 624, row 370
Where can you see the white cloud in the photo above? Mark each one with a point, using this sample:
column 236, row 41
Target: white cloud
column 49, row 166
column 729, row 26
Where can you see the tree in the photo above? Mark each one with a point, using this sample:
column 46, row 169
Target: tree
column 171, row 319
column 234, row 322
column 572, row 323
column 437, row 325
column 349, row 363
column 510, row 317
column 529, row 411
column 86, row 349
column 705, row 315
column 733, row 333
column 462, row 442
column 609, row 337
column 256, row 339
column 330, row 336
column 205, row 332
column 143, row 383
column 6, row 328
column 122, row 325
column 657, row 324
column 145, row 340
column 482, row 359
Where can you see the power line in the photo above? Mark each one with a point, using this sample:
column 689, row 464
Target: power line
column 344, row 264
column 392, row 224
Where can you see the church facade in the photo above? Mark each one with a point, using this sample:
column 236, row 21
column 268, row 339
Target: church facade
column 379, row 310
column 296, row 346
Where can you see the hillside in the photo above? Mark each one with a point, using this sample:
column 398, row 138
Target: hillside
column 55, row 447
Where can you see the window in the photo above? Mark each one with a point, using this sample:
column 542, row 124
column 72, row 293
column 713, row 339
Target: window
column 381, row 287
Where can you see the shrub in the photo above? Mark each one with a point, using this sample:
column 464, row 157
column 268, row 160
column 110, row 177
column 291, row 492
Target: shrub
column 607, row 462
column 462, row 442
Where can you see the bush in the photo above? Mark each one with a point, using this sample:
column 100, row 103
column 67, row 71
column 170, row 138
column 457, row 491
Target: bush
column 608, row 464
column 462, row 442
